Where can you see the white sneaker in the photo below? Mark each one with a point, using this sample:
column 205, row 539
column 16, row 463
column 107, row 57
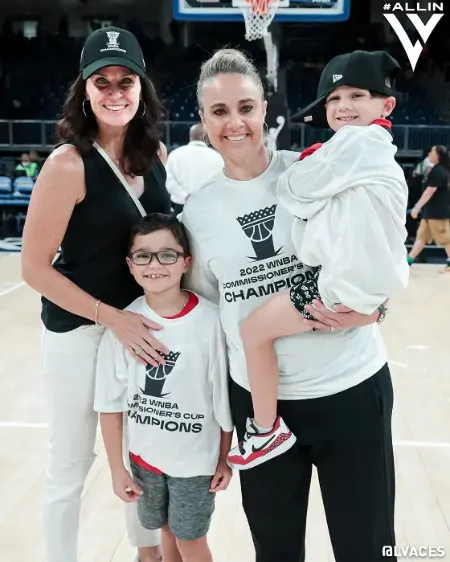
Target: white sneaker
column 257, row 448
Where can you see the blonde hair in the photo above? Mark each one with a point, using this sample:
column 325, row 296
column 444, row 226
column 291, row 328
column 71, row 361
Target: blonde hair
column 229, row 61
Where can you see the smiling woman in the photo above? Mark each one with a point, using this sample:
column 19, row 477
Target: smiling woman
column 106, row 172
column 334, row 389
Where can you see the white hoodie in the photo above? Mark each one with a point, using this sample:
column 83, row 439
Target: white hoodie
column 353, row 195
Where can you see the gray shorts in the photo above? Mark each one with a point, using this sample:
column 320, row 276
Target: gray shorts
column 184, row 504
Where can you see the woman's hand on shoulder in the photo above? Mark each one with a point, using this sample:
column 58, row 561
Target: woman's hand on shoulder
column 162, row 153
column 134, row 332
column 342, row 318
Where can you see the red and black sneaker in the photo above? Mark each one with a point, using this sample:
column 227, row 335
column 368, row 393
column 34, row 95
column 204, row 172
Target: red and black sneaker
column 257, row 447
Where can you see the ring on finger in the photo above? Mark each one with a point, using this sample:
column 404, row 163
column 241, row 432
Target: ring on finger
column 138, row 350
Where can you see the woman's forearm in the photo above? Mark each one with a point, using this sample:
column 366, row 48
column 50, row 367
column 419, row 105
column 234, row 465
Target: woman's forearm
column 426, row 196
column 65, row 294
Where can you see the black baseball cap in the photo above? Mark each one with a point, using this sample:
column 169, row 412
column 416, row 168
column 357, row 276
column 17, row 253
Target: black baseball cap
column 375, row 71
column 111, row 46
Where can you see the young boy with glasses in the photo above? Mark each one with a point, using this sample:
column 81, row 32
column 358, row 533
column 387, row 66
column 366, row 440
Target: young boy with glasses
column 179, row 421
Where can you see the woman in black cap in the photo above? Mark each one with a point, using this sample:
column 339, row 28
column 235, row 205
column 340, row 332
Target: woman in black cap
column 107, row 172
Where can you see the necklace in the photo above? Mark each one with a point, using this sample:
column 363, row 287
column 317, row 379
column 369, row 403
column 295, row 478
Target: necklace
column 117, row 163
column 115, row 160
column 185, row 302
column 184, row 305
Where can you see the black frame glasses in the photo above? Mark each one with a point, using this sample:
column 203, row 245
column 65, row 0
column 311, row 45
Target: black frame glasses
column 159, row 256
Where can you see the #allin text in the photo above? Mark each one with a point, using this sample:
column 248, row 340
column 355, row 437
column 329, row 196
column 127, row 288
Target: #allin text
column 414, row 7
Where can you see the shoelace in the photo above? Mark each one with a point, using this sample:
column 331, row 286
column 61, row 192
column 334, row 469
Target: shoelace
column 246, row 436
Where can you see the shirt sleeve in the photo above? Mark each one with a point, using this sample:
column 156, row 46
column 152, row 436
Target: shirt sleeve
column 368, row 263
column 199, row 277
column 111, row 376
column 353, row 157
column 218, row 376
column 437, row 178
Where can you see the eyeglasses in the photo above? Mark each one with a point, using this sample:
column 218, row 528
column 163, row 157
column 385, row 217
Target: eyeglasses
column 165, row 257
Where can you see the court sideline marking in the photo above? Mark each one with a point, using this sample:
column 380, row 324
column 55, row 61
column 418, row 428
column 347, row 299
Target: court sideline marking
column 11, row 289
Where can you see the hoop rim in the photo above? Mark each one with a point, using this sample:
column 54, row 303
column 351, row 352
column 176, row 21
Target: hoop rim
column 248, row 4
column 261, row 7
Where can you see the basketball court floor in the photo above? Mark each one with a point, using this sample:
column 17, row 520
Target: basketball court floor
column 418, row 338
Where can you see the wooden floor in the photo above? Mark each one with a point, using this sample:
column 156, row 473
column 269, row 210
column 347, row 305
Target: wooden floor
column 417, row 333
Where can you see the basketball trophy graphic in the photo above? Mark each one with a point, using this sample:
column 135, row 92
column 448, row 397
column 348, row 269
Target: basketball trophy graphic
column 258, row 226
column 156, row 376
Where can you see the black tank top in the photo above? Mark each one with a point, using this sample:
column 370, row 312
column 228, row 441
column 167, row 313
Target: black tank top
column 94, row 247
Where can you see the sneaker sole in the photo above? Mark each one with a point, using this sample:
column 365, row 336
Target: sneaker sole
column 285, row 446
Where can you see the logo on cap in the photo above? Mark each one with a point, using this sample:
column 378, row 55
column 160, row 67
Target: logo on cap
column 112, row 44
column 336, row 77
column 112, row 36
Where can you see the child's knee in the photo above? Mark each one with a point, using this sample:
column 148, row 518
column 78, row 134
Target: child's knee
column 189, row 547
column 255, row 328
column 167, row 532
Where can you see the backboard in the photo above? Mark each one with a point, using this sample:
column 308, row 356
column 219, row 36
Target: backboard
column 298, row 10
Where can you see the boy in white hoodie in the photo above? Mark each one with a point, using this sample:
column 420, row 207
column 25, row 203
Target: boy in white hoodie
column 350, row 199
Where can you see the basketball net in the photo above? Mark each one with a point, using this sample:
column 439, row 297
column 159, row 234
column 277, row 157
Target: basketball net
column 258, row 15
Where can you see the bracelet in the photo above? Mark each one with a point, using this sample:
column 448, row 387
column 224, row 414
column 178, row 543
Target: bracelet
column 96, row 305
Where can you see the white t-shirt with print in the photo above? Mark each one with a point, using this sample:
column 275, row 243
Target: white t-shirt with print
column 243, row 254
column 175, row 411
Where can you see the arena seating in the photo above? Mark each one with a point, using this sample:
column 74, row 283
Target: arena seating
column 51, row 63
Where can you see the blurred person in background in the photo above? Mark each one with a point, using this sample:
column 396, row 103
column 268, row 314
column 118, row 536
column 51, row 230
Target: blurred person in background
column 25, row 165
column 190, row 167
column 434, row 206
column 34, row 163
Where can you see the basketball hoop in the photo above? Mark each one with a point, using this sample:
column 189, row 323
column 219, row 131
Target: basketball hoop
column 258, row 15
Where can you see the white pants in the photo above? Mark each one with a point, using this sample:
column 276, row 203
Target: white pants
column 68, row 368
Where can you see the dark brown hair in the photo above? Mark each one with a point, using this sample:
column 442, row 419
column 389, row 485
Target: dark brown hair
column 160, row 221
column 444, row 156
column 141, row 140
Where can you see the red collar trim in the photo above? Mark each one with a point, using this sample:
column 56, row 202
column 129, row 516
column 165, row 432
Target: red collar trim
column 383, row 123
column 190, row 305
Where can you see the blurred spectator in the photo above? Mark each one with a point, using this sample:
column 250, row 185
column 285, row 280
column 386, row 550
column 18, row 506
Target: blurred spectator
column 434, row 205
column 29, row 167
column 24, row 165
column 190, row 167
column 34, row 163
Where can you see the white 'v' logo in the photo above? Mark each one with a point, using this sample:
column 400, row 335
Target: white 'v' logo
column 424, row 30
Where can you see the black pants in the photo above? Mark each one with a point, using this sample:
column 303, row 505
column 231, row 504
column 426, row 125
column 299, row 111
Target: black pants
column 347, row 436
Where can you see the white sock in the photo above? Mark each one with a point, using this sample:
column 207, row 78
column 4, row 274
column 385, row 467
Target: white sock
column 262, row 429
